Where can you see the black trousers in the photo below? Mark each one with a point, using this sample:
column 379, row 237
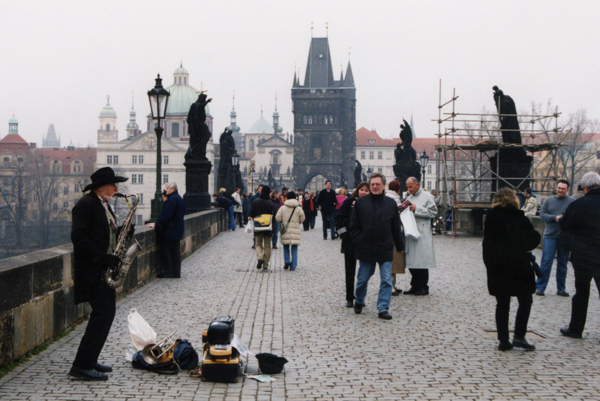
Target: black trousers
column 502, row 312
column 420, row 279
column 583, row 280
column 170, row 258
column 240, row 218
column 350, row 266
column 104, row 305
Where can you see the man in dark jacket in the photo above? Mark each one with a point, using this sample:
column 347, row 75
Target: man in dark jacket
column 262, row 239
column 328, row 203
column 375, row 230
column 581, row 231
column 169, row 229
column 94, row 235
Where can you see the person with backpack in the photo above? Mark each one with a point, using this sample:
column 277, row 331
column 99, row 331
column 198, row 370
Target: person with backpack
column 290, row 216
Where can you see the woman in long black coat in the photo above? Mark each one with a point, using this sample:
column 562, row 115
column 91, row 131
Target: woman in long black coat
column 508, row 237
column 342, row 221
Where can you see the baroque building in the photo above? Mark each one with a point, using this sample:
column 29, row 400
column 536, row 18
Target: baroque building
column 324, row 121
column 135, row 156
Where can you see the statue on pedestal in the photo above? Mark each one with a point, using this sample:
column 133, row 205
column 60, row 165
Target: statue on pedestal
column 406, row 158
column 227, row 146
column 197, row 166
column 357, row 174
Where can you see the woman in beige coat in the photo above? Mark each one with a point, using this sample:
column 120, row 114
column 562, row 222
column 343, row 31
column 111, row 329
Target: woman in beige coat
column 291, row 216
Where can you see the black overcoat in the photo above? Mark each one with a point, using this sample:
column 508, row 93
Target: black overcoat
column 508, row 236
column 90, row 236
column 342, row 219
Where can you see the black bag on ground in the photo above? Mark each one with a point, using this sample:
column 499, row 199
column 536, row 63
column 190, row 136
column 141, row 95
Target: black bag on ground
column 270, row 364
column 184, row 357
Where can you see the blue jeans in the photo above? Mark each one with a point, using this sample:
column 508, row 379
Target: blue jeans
column 231, row 218
column 286, row 255
column 365, row 271
column 331, row 218
column 275, row 231
column 552, row 246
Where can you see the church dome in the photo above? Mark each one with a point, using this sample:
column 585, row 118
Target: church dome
column 108, row 111
column 181, row 70
column 182, row 94
column 13, row 120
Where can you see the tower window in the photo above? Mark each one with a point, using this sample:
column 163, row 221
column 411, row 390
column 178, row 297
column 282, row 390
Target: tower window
column 175, row 130
column 251, row 145
column 317, row 146
column 165, row 159
column 108, row 127
column 305, row 119
column 134, row 159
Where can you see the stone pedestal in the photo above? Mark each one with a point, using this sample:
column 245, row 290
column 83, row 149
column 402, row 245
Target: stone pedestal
column 513, row 165
column 196, row 195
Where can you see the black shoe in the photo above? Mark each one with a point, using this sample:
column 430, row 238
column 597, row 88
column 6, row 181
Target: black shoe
column 385, row 315
column 521, row 342
column 324, row 237
column 396, row 293
column 410, row 292
column 87, row 374
column 274, row 247
column 253, row 247
column 358, row 308
column 505, row 346
column 102, row 368
column 286, row 266
column 421, row 291
column 349, row 304
column 562, row 293
column 565, row 331
column 259, row 264
column 540, row 293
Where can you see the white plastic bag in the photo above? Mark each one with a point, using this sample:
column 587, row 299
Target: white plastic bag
column 249, row 227
column 410, row 224
column 140, row 332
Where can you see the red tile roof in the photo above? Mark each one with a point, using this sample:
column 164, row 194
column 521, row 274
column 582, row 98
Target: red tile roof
column 13, row 139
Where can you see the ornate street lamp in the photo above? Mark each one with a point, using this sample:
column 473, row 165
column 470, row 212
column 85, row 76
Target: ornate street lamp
column 235, row 158
column 424, row 159
column 159, row 98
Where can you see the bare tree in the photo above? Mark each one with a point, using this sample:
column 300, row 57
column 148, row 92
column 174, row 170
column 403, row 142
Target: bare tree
column 576, row 135
column 45, row 183
column 14, row 192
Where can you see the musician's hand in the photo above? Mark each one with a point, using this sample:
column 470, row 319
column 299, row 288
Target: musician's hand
column 130, row 233
column 110, row 260
column 150, row 225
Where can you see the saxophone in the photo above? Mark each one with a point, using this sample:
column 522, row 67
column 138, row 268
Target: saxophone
column 114, row 277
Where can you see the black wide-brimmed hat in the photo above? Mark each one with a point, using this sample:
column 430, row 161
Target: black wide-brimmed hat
column 104, row 176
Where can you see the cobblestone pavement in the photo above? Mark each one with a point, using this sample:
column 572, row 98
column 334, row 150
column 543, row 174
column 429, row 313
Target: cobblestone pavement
column 438, row 347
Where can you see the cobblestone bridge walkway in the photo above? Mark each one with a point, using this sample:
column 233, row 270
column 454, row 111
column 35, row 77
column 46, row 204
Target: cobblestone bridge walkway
column 438, row 347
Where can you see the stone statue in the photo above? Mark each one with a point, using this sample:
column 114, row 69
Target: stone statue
column 509, row 125
column 406, row 136
column 357, row 174
column 197, row 129
column 406, row 158
column 227, row 148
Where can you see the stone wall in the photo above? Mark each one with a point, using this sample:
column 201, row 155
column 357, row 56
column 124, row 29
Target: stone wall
column 37, row 297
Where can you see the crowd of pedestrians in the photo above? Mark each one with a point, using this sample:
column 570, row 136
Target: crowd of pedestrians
column 382, row 228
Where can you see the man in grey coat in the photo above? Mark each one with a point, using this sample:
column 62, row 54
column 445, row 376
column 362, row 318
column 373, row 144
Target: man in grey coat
column 420, row 256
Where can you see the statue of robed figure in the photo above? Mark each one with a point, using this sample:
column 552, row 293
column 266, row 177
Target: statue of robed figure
column 406, row 157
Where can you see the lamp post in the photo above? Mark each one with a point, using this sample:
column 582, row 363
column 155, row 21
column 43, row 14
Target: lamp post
column 424, row 160
column 159, row 97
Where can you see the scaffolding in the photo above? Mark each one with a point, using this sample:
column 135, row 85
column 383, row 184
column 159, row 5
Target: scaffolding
column 468, row 156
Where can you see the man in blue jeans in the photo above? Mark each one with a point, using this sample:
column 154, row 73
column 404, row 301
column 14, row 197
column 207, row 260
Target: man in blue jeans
column 551, row 213
column 375, row 230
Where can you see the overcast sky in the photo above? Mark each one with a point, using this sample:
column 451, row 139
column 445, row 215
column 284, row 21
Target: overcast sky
column 61, row 59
